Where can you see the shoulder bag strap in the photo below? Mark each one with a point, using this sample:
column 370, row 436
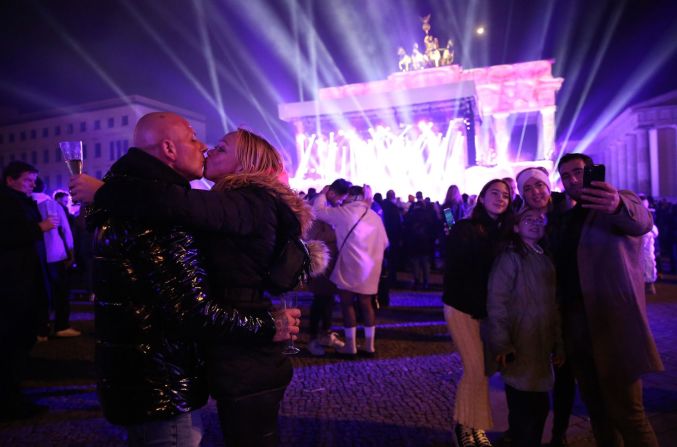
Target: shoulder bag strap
column 350, row 232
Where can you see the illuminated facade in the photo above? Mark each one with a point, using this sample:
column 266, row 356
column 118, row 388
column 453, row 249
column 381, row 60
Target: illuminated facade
column 639, row 147
column 105, row 128
column 424, row 130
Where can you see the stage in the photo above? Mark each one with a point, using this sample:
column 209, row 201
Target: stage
column 424, row 130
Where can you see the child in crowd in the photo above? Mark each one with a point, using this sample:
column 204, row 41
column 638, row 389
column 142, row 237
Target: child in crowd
column 524, row 327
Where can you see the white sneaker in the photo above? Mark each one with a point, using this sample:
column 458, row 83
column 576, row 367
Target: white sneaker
column 315, row 348
column 331, row 340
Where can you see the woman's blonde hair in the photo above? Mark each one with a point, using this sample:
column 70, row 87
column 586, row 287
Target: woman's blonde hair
column 262, row 166
column 256, row 155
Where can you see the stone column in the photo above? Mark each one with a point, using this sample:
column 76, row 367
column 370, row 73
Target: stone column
column 502, row 136
column 667, row 141
column 546, row 133
column 643, row 163
column 653, row 160
column 471, row 141
column 613, row 176
column 631, row 162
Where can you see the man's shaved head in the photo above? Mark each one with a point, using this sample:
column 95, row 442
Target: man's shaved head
column 155, row 127
column 170, row 138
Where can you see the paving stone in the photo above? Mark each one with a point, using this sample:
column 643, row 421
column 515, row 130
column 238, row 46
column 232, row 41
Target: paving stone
column 404, row 397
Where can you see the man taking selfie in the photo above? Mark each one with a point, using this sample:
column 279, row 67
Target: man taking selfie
column 605, row 327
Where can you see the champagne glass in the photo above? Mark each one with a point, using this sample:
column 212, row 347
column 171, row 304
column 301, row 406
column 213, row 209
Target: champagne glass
column 290, row 301
column 72, row 155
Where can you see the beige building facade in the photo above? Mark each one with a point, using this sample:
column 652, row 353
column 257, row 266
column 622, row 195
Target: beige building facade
column 105, row 128
column 639, row 147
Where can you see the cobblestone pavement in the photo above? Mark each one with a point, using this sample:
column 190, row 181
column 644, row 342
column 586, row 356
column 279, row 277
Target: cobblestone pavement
column 403, row 397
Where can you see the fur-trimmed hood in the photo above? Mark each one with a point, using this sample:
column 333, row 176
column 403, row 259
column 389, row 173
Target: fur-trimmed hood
column 299, row 207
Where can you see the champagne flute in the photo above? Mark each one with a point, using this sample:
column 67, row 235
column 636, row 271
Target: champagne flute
column 290, row 301
column 72, row 155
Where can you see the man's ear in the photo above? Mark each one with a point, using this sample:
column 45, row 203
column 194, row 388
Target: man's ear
column 168, row 149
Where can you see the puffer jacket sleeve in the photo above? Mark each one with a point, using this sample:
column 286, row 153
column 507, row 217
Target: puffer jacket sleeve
column 175, row 273
column 159, row 202
column 500, row 292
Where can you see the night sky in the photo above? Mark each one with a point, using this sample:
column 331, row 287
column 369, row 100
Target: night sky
column 246, row 56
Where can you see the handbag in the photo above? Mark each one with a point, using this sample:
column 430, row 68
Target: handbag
column 290, row 267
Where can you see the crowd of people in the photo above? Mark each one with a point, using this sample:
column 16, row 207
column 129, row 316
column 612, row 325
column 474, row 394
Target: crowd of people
column 546, row 288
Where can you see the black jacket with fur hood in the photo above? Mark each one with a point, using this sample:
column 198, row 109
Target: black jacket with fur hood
column 240, row 225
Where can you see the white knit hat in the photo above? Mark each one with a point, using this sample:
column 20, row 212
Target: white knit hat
column 529, row 173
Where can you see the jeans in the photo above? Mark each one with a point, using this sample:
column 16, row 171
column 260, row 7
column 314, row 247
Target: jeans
column 184, row 430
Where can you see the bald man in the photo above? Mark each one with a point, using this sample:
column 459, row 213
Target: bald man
column 152, row 303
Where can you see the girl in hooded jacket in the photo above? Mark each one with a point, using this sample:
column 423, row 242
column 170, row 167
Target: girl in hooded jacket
column 524, row 326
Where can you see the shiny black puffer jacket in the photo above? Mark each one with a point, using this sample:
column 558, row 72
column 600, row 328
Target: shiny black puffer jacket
column 245, row 219
column 151, row 310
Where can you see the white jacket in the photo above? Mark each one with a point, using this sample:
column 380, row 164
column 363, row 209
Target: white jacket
column 358, row 267
column 56, row 246
column 649, row 255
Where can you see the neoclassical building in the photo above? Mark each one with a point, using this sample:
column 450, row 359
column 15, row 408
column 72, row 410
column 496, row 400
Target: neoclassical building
column 639, row 147
column 426, row 129
column 105, row 128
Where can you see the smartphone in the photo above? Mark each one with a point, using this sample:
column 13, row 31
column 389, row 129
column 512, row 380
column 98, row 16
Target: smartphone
column 448, row 217
column 594, row 173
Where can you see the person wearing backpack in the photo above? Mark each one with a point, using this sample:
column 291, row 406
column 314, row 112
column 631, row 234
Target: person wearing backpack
column 248, row 218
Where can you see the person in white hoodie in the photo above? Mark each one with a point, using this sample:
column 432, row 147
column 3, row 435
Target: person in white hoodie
column 649, row 254
column 361, row 239
column 59, row 247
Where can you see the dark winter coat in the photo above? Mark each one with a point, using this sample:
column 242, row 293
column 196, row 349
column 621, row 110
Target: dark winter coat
column 471, row 247
column 244, row 220
column 612, row 285
column 153, row 307
column 420, row 230
column 23, row 279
